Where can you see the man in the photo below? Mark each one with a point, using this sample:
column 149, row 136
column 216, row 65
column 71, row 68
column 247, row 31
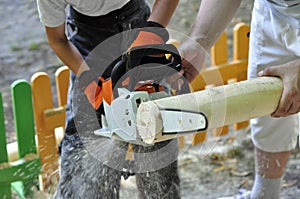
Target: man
column 92, row 166
column 274, row 51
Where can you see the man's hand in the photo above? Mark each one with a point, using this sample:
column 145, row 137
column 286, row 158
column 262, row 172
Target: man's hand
column 92, row 87
column 193, row 58
column 290, row 99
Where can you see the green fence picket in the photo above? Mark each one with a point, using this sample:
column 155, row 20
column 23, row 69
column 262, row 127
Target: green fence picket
column 24, row 126
column 5, row 189
column 3, row 150
column 23, row 116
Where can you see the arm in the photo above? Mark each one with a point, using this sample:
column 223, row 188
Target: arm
column 290, row 99
column 159, row 18
column 162, row 11
column 70, row 56
column 211, row 21
column 65, row 50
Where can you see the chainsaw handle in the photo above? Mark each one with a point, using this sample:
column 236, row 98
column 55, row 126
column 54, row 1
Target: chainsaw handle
column 152, row 62
column 136, row 55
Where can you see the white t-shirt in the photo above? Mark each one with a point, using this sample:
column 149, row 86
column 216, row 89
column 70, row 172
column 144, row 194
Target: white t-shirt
column 52, row 12
column 289, row 8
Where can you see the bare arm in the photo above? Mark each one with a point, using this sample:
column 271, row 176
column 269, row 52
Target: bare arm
column 162, row 11
column 212, row 19
column 65, row 50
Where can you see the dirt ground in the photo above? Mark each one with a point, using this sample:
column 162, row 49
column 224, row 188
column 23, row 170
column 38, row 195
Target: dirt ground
column 204, row 173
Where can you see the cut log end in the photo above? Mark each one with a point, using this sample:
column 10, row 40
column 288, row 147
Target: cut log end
column 149, row 122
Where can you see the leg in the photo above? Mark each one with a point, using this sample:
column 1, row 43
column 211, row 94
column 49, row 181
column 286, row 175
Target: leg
column 271, row 165
column 84, row 176
column 163, row 183
column 269, row 171
column 157, row 176
column 273, row 140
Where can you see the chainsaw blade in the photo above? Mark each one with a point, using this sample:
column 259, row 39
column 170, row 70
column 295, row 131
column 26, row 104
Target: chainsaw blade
column 177, row 121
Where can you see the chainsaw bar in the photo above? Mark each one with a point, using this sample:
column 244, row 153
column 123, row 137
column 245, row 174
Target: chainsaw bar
column 177, row 121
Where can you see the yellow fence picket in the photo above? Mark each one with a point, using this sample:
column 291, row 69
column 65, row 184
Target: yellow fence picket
column 47, row 148
column 199, row 138
column 62, row 83
column 62, row 76
column 219, row 55
column 219, row 52
column 241, row 41
column 240, row 52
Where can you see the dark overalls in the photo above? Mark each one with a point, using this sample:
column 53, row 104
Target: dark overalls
column 92, row 166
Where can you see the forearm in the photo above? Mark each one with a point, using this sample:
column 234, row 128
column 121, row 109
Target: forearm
column 212, row 19
column 65, row 50
column 69, row 55
column 162, row 11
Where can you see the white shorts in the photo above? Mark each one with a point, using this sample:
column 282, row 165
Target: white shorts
column 272, row 42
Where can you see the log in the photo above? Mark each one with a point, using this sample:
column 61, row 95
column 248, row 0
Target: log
column 223, row 105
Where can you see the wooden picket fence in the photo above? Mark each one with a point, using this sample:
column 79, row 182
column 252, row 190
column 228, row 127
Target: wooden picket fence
column 35, row 104
column 36, row 120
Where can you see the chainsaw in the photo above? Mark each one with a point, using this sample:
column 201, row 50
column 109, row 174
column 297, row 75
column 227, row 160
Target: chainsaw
column 139, row 76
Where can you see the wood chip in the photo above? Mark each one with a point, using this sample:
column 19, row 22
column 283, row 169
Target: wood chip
column 240, row 174
column 289, row 184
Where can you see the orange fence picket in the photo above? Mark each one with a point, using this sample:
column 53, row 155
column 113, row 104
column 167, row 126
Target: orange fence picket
column 62, row 84
column 47, row 119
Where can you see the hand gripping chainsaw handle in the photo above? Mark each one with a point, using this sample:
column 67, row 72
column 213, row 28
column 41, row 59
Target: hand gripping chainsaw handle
column 150, row 62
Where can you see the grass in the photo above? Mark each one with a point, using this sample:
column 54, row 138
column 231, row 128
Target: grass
column 15, row 47
column 34, row 46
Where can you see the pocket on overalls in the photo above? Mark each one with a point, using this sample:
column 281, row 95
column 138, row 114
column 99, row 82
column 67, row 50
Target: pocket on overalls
column 72, row 30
